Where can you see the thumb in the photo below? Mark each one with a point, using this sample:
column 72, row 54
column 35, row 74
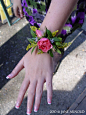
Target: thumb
column 16, row 70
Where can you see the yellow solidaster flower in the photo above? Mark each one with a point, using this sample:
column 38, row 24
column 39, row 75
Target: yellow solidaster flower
column 54, row 33
column 34, row 28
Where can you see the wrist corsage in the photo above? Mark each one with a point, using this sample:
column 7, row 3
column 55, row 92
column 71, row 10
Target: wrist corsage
column 47, row 42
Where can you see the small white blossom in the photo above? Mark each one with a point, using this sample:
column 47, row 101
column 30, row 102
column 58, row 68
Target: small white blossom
column 52, row 40
column 36, row 39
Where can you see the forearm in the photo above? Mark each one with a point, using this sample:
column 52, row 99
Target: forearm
column 57, row 14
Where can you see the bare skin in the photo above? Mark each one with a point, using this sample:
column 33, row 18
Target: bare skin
column 38, row 68
column 35, row 76
column 17, row 8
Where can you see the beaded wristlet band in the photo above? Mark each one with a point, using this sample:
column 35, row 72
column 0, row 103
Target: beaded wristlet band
column 47, row 42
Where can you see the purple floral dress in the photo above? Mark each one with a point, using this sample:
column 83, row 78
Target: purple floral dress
column 35, row 12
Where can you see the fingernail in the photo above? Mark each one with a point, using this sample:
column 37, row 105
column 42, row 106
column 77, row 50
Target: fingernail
column 35, row 109
column 17, row 106
column 9, row 76
column 49, row 101
column 28, row 112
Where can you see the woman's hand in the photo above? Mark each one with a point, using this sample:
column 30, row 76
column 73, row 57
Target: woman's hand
column 17, row 7
column 38, row 70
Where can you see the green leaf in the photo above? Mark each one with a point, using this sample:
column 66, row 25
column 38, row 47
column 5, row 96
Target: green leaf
column 40, row 51
column 45, row 33
column 59, row 39
column 50, row 52
column 58, row 44
column 58, row 51
column 59, row 35
column 54, row 46
column 33, row 44
column 49, row 33
column 65, row 45
column 33, row 34
column 34, row 39
column 33, row 49
column 55, row 38
column 31, row 40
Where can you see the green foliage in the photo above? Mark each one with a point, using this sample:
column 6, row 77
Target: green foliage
column 31, row 40
column 33, row 49
column 54, row 46
column 49, row 33
column 33, row 43
column 58, row 43
column 57, row 39
column 59, row 35
column 55, row 33
column 28, row 47
column 58, row 51
column 50, row 52
column 45, row 34
column 40, row 51
column 33, row 34
column 28, row 11
column 66, row 44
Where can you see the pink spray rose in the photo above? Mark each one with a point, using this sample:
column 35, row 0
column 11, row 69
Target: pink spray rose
column 44, row 44
column 39, row 33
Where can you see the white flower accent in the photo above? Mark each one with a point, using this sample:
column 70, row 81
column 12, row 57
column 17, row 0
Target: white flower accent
column 52, row 40
column 36, row 39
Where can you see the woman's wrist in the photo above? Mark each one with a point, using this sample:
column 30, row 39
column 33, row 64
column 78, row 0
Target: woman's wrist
column 43, row 29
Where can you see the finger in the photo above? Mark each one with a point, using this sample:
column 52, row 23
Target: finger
column 16, row 12
column 16, row 70
column 39, row 91
column 22, row 92
column 49, row 88
column 31, row 94
column 21, row 11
